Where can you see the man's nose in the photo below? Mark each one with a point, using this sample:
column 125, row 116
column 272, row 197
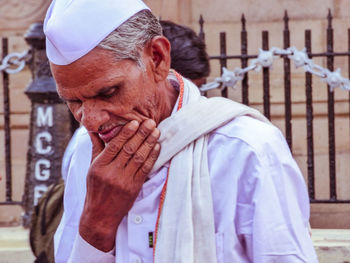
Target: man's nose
column 93, row 116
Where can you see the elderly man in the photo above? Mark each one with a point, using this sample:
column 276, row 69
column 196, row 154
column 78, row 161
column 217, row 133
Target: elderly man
column 188, row 57
column 174, row 177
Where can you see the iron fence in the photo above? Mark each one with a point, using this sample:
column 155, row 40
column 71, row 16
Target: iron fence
column 7, row 131
column 50, row 127
column 244, row 57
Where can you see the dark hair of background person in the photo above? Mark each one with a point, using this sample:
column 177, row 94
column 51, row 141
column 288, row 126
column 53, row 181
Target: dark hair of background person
column 188, row 54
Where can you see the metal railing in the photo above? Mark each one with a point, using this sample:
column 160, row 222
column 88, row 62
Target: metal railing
column 10, row 64
column 244, row 58
column 51, row 124
column 14, row 62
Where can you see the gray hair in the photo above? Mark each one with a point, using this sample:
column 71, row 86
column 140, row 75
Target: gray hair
column 130, row 37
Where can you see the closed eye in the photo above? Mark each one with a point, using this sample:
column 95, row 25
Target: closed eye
column 108, row 92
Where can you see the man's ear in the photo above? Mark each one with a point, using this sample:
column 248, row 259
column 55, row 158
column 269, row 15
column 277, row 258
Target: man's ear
column 158, row 51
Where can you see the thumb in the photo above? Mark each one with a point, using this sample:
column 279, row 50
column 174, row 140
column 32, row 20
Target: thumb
column 97, row 145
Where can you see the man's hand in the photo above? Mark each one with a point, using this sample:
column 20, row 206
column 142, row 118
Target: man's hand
column 116, row 175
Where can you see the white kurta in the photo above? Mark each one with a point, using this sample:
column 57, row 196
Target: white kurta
column 261, row 206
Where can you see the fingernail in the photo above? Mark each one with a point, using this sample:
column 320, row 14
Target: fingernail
column 156, row 133
column 157, row 147
column 134, row 123
column 150, row 123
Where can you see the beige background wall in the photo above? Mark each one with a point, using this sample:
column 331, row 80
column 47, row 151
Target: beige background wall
column 220, row 15
column 15, row 18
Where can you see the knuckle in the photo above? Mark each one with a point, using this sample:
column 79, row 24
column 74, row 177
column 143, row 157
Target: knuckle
column 146, row 128
column 143, row 132
column 153, row 157
column 149, row 144
column 146, row 168
column 129, row 148
column 128, row 131
column 148, row 164
column 152, row 139
column 139, row 157
column 113, row 147
column 126, row 134
column 155, row 153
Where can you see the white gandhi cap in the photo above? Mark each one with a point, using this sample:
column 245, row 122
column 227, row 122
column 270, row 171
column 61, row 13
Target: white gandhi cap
column 75, row 27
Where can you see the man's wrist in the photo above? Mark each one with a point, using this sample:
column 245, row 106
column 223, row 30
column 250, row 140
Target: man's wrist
column 100, row 235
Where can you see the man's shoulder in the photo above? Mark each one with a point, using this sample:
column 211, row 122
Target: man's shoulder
column 251, row 132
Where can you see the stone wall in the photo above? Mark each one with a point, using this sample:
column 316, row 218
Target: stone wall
column 220, row 15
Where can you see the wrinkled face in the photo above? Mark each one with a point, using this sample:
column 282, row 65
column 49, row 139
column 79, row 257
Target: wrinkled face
column 104, row 94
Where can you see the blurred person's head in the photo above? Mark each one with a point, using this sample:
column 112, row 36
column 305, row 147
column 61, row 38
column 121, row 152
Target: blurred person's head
column 188, row 54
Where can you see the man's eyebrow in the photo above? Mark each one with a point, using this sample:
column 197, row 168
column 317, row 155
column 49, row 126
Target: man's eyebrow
column 102, row 91
column 98, row 93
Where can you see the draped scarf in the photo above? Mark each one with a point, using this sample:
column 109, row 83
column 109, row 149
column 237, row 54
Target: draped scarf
column 185, row 230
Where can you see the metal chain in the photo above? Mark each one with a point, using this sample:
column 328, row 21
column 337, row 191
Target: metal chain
column 15, row 62
column 265, row 60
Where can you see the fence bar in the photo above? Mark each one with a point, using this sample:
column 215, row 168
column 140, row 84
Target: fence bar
column 244, row 61
column 201, row 34
column 201, row 30
column 266, row 77
column 5, row 79
column 331, row 128
column 349, row 69
column 223, row 60
column 309, row 125
column 287, row 84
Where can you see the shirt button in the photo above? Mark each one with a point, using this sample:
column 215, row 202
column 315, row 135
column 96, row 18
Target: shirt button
column 138, row 220
column 137, row 260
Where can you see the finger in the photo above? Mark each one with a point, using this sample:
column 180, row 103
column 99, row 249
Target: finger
column 141, row 155
column 97, row 145
column 147, row 166
column 113, row 147
column 132, row 146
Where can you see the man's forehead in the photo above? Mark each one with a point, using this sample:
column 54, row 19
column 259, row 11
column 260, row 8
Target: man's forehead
column 89, row 62
column 99, row 65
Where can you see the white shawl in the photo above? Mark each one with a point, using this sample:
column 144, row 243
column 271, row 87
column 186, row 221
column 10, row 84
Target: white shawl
column 185, row 230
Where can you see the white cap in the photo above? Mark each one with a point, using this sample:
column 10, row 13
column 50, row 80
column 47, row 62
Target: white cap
column 75, row 27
